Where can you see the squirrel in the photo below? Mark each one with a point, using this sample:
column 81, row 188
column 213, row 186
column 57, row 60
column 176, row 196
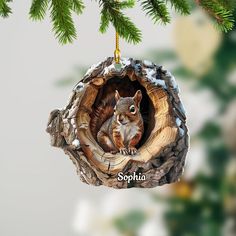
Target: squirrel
column 124, row 129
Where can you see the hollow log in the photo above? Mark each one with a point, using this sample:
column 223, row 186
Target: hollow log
column 164, row 144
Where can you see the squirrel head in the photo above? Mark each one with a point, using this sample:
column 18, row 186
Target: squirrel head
column 126, row 109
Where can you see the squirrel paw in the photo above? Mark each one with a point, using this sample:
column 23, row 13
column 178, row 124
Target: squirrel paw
column 132, row 151
column 123, row 151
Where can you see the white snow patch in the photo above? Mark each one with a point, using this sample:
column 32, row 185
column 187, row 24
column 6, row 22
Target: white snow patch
column 79, row 86
column 125, row 61
column 163, row 68
column 160, row 82
column 76, row 143
column 151, row 76
column 173, row 83
column 178, row 121
column 147, row 63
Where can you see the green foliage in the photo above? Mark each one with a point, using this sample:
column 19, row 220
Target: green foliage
column 112, row 12
column 62, row 21
column 220, row 13
column 204, row 212
column 77, row 6
column 38, row 9
column 130, row 223
column 224, row 61
column 61, row 16
column 210, row 131
column 5, row 10
column 157, row 10
column 229, row 4
column 187, row 217
column 181, row 6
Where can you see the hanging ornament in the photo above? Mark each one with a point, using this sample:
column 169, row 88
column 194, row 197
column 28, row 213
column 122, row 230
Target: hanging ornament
column 124, row 125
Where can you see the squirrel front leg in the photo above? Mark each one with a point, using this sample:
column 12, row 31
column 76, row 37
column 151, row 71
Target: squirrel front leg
column 119, row 142
column 133, row 142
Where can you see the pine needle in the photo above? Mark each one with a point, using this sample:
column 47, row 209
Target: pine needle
column 157, row 10
column 221, row 11
column 5, row 10
column 38, row 9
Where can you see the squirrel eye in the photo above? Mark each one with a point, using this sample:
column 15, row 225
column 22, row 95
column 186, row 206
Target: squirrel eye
column 132, row 109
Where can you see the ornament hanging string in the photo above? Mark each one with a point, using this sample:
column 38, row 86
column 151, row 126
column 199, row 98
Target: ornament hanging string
column 117, row 50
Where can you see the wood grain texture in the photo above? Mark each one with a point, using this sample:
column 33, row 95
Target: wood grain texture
column 161, row 154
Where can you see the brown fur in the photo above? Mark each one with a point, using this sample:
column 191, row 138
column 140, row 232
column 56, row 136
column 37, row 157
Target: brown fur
column 122, row 131
column 101, row 113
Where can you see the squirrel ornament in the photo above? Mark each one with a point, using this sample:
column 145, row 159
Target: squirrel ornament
column 124, row 129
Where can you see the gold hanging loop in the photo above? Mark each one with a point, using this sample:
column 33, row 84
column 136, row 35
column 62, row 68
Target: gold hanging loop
column 117, row 55
column 117, row 50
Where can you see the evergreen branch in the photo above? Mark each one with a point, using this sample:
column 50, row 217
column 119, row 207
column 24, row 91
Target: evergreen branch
column 63, row 25
column 5, row 10
column 180, row 6
column 223, row 17
column 126, row 29
column 38, row 9
column 229, row 4
column 77, row 6
column 111, row 12
column 126, row 4
column 157, row 10
column 104, row 23
column 124, row 26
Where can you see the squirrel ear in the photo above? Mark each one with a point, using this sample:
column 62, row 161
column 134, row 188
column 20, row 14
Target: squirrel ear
column 138, row 97
column 117, row 95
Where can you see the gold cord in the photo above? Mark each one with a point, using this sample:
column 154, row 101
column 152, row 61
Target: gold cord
column 117, row 50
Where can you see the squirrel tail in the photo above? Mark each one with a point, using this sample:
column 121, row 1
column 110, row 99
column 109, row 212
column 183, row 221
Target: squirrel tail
column 102, row 112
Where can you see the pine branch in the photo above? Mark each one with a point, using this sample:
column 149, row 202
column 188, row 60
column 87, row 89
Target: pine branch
column 5, row 10
column 77, row 6
column 126, row 4
column 219, row 13
column 229, row 4
column 111, row 12
column 61, row 16
column 104, row 23
column 157, row 10
column 126, row 28
column 180, row 6
column 38, row 9
column 63, row 25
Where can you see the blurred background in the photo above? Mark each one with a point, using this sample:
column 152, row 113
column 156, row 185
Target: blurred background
column 40, row 193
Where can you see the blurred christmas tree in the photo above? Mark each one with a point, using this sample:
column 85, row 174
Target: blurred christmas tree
column 205, row 206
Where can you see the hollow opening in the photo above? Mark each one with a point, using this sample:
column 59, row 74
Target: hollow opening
column 105, row 102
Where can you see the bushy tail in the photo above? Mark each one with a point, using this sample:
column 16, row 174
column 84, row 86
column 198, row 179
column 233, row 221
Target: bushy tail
column 102, row 112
